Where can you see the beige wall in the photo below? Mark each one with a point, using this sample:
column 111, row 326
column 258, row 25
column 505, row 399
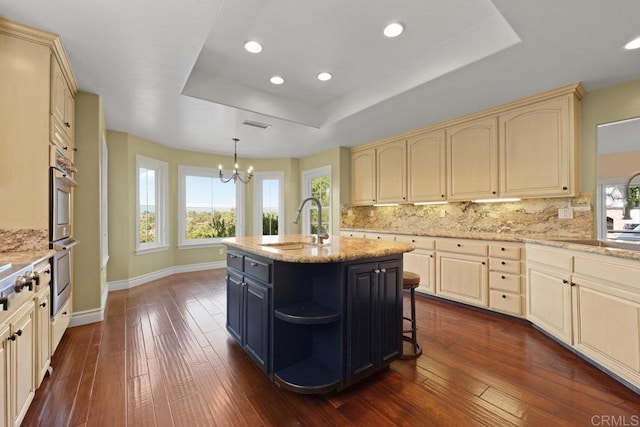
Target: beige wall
column 89, row 281
column 124, row 263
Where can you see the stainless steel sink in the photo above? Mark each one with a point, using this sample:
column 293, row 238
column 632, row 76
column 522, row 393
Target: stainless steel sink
column 609, row 244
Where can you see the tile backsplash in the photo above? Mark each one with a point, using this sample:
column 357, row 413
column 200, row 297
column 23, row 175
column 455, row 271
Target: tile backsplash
column 529, row 217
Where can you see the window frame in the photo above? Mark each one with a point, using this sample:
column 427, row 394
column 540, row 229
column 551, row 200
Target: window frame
column 258, row 178
column 183, row 172
column 307, row 177
column 161, row 204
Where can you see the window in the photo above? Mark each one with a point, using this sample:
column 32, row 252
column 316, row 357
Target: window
column 151, row 210
column 316, row 183
column 268, row 188
column 612, row 195
column 208, row 209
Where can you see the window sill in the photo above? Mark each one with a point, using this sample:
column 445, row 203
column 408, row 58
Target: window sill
column 151, row 250
column 185, row 246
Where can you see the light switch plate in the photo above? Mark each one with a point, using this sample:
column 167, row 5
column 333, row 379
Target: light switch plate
column 565, row 213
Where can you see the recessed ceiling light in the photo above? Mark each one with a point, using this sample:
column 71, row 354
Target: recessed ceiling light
column 276, row 80
column 633, row 44
column 394, row 29
column 253, row 46
column 324, row 76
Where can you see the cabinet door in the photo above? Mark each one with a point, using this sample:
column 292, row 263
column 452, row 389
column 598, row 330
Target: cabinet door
column 22, row 363
column 426, row 171
column 5, row 416
column 549, row 301
column 58, row 91
column 391, row 177
column 536, row 151
column 462, row 278
column 607, row 327
column 472, row 153
column 390, row 309
column 69, row 115
column 361, row 316
column 235, row 288
column 43, row 335
column 422, row 263
column 363, row 177
column 256, row 328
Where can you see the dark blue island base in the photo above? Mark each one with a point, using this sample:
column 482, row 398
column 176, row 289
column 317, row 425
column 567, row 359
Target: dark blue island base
column 316, row 327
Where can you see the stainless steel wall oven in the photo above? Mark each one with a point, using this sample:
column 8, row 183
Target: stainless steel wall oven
column 60, row 218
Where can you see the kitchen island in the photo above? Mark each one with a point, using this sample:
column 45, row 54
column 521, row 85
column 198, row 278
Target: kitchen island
column 315, row 318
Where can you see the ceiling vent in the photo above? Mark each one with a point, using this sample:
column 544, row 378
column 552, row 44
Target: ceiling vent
column 256, row 124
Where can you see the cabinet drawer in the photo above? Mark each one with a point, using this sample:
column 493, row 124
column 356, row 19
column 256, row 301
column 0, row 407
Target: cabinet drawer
column 504, row 265
column 506, row 302
column 259, row 269
column 550, row 258
column 351, row 234
column 502, row 251
column 504, row 281
column 462, row 247
column 379, row 236
column 420, row 242
column 234, row 260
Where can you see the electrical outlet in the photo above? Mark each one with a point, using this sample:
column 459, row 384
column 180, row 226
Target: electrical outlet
column 220, row 251
column 565, row 213
column 443, row 213
column 371, row 212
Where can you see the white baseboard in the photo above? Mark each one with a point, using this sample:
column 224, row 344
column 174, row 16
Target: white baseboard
column 85, row 317
column 145, row 278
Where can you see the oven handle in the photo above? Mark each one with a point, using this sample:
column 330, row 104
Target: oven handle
column 66, row 246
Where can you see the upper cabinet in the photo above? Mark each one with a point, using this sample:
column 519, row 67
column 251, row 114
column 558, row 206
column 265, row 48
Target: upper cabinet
column 363, row 177
column 426, row 173
column 472, row 149
column 62, row 109
column 538, row 149
column 528, row 148
column 391, row 177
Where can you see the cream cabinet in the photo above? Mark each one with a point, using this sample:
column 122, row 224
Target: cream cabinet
column 363, row 177
column 391, row 172
column 538, row 148
column 426, row 167
column 549, row 292
column 461, row 271
column 4, row 376
column 21, row 362
column 59, row 324
column 472, row 160
column 43, row 332
column 505, row 278
column 421, row 261
column 62, row 110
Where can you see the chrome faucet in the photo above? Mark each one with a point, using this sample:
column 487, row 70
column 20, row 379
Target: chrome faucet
column 627, row 203
column 322, row 234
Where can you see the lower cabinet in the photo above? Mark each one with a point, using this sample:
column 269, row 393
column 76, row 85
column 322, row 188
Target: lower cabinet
column 5, row 419
column 374, row 316
column 462, row 278
column 43, row 333
column 59, row 324
column 21, row 358
column 248, row 316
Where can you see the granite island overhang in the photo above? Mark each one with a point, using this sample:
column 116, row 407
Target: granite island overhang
column 315, row 318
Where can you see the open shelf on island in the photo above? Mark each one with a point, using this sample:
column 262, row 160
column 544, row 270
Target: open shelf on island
column 308, row 376
column 307, row 313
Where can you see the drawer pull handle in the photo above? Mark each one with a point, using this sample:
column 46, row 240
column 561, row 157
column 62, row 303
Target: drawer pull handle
column 376, row 271
column 565, row 281
column 19, row 332
column 233, row 256
column 384, row 270
column 573, row 284
column 44, row 304
column 564, row 188
column 483, row 263
column 502, row 249
column 64, row 313
column 254, row 264
column 504, row 296
column 502, row 277
column 504, row 263
column 459, row 245
column 413, row 240
column 12, row 337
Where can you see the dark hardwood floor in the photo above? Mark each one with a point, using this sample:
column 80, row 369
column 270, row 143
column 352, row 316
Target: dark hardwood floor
column 162, row 357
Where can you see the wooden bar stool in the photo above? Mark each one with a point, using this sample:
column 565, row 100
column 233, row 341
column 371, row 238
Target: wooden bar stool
column 411, row 281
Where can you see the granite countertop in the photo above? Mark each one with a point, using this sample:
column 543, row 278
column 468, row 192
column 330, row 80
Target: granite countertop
column 26, row 257
column 338, row 249
column 502, row 237
column 614, row 252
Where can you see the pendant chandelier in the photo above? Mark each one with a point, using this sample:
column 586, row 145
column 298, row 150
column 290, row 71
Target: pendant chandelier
column 236, row 176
